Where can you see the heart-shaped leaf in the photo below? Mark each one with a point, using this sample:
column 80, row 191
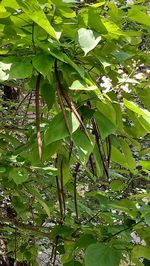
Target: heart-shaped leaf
column 87, row 40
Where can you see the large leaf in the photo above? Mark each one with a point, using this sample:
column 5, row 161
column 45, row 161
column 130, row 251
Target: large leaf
column 48, row 93
column 94, row 21
column 105, row 125
column 140, row 251
column 83, row 145
column 136, row 109
column 80, row 85
column 87, row 40
column 145, row 164
column 14, row 67
column 20, row 70
column 19, row 175
column 128, row 155
column 112, row 28
column 34, row 192
column 135, row 14
column 43, row 63
column 125, row 205
column 101, row 255
column 34, row 12
column 118, row 157
column 57, row 129
column 10, row 3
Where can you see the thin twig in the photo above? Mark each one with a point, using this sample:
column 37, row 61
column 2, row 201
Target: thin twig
column 59, row 198
column 37, row 106
column 55, row 250
column 91, row 163
column 27, row 109
column 122, row 230
column 59, row 194
column 70, row 149
column 62, row 188
column 15, row 245
column 75, row 190
column 21, row 103
column 109, row 150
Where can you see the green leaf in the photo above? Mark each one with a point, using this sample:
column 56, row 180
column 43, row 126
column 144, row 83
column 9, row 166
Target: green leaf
column 135, row 14
column 82, row 86
column 145, row 164
column 144, row 95
column 94, row 21
column 83, row 145
column 20, row 70
column 125, row 205
column 36, row 14
column 64, row 168
column 57, row 128
column 85, row 240
column 43, row 63
column 145, row 123
column 18, row 175
column 10, row 3
column 101, row 3
column 117, row 185
column 50, row 150
column 87, row 40
column 2, row 169
column 147, row 217
column 123, row 56
column 98, row 161
column 69, row 252
column 67, row 12
column 105, row 125
column 107, row 109
column 118, row 157
column 128, row 155
column 114, row 31
column 48, row 93
column 3, row 12
column 101, row 255
column 136, row 109
column 34, row 192
column 140, row 251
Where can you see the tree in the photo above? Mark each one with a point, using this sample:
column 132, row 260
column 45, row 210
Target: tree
column 74, row 175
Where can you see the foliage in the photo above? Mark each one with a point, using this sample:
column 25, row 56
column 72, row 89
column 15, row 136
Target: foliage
column 74, row 177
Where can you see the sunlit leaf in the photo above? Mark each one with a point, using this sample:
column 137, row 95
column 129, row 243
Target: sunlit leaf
column 35, row 13
column 87, row 40
column 57, row 129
